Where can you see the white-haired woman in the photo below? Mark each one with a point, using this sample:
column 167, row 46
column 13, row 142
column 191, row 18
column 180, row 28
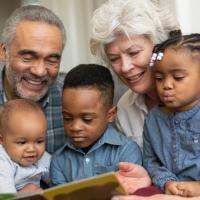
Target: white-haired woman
column 123, row 35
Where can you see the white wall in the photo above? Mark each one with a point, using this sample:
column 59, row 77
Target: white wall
column 189, row 16
column 76, row 15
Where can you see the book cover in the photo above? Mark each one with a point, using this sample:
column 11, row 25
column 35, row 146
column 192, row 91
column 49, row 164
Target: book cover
column 101, row 187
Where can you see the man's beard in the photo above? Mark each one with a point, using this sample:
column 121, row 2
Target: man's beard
column 15, row 80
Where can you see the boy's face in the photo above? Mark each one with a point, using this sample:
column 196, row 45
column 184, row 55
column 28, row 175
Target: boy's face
column 24, row 139
column 177, row 79
column 85, row 116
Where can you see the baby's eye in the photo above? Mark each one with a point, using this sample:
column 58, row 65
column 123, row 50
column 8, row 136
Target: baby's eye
column 21, row 142
column 67, row 118
column 40, row 141
column 87, row 120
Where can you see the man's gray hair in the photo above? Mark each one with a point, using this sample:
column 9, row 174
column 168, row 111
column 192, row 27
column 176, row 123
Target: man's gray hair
column 33, row 13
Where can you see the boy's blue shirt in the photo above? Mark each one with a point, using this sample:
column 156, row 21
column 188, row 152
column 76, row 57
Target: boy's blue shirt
column 172, row 145
column 71, row 163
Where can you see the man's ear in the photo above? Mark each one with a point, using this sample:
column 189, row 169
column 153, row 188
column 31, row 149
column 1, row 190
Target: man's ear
column 2, row 52
column 1, row 138
column 112, row 113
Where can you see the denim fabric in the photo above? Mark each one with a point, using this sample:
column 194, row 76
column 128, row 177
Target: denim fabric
column 71, row 163
column 172, row 145
column 55, row 137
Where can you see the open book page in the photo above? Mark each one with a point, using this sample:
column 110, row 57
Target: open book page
column 101, row 187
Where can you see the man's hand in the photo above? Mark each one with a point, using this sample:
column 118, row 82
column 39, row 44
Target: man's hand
column 132, row 177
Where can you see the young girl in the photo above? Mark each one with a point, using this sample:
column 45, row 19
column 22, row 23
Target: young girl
column 172, row 129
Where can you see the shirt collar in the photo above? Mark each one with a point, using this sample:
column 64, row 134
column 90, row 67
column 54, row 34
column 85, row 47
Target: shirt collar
column 137, row 100
column 110, row 136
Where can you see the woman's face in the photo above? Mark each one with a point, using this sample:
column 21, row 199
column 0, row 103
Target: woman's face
column 129, row 58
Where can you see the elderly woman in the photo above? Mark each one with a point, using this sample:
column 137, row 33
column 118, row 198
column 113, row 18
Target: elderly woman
column 123, row 35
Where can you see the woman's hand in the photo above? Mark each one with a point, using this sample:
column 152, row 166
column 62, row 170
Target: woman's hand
column 132, row 177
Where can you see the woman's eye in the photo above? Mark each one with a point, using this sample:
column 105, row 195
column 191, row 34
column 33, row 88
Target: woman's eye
column 133, row 53
column 114, row 60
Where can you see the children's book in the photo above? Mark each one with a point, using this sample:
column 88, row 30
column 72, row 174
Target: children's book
column 101, row 187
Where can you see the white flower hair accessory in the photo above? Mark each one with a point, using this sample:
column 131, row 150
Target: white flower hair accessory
column 154, row 57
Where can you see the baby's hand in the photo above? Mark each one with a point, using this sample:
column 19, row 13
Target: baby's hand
column 31, row 188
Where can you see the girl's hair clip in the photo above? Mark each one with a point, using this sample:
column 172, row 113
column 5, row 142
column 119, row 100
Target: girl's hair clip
column 160, row 56
column 154, row 57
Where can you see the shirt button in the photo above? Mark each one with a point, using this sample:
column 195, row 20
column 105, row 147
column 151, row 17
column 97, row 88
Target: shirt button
column 87, row 160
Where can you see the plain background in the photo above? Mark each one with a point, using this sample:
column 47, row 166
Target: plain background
column 76, row 15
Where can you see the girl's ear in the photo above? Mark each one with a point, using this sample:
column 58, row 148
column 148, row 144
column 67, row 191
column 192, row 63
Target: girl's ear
column 111, row 114
column 2, row 52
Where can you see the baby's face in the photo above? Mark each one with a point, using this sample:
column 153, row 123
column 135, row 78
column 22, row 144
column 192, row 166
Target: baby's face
column 85, row 116
column 24, row 139
column 177, row 79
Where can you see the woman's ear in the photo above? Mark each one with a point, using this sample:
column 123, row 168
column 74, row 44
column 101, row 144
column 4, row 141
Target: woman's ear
column 112, row 113
column 2, row 52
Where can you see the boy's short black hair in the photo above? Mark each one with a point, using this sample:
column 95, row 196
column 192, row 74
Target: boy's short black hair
column 92, row 76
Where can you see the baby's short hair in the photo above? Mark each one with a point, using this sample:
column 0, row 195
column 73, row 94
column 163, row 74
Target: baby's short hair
column 13, row 106
column 92, row 76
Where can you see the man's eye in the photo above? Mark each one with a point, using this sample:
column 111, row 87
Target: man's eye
column 53, row 61
column 27, row 59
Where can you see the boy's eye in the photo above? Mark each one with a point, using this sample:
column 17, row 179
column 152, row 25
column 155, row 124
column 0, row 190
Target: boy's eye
column 179, row 78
